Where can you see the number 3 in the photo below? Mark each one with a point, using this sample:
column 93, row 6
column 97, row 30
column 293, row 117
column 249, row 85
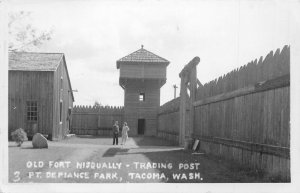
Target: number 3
column 17, row 176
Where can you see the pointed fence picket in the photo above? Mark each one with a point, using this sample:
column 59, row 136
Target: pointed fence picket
column 90, row 120
column 242, row 116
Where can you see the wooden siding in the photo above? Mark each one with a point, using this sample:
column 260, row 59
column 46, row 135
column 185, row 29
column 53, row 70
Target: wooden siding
column 60, row 129
column 148, row 109
column 27, row 85
column 143, row 71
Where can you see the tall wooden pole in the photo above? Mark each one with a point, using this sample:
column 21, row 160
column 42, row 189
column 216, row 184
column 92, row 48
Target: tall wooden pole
column 193, row 90
column 175, row 87
column 182, row 111
column 187, row 75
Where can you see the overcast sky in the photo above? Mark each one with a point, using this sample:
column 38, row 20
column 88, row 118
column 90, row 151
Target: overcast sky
column 94, row 34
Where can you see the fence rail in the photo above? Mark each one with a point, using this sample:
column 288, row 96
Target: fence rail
column 278, row 82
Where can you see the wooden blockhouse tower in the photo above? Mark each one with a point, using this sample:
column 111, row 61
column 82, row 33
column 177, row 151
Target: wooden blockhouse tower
column 142, row 74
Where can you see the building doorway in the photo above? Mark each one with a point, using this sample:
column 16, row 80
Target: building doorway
column 141, row 126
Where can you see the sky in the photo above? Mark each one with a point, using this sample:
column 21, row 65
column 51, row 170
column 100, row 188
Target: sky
column 93, row 35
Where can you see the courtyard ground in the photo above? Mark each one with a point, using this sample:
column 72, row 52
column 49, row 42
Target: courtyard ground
column 142, row 160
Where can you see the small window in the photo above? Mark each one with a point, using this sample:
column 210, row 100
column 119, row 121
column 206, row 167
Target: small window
column 60, row 110
column 142, row 97
column 69, row 113
column 32, row 110
column 61, row 82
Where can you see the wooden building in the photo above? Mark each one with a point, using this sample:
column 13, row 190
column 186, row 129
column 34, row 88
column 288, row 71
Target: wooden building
column 142, row 74
column 40, row 94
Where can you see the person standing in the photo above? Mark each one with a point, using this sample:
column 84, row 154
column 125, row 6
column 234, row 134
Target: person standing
column 115, row 133
column 125, row 130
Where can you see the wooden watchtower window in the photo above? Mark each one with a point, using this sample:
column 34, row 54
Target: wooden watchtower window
column 142, row 97
column 32, row 110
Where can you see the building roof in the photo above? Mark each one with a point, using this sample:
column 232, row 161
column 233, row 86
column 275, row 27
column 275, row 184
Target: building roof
column 32, row 61
column 35, row 61
column 142, row 55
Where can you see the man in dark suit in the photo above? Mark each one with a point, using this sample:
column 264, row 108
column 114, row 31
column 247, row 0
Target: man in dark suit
column 115, row 133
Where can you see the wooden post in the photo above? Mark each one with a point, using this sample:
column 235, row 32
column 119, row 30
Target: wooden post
column 187, row 75
column 193, row 89
column 175, row 87
column 182, row 111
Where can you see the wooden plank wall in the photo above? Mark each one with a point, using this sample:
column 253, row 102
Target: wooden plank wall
column 148, row 109
column 168, row 121
column 245, row 115
column 24, row 86
column 143, row 71
column 87, row 120
column 61, row 92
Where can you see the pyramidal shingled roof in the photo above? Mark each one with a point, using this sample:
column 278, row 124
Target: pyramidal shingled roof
column 142, row 55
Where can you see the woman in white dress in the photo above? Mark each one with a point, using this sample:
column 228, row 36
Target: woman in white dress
column 125, row 130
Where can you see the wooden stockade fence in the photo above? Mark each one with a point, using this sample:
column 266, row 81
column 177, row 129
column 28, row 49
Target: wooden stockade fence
column 245, row 115
column 272, row 66
column 168, row 121
column 88, row 120
column 242, row 116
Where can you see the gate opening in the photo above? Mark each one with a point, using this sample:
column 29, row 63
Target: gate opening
column 141, row 126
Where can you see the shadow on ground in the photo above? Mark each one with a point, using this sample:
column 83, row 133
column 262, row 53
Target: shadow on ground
column 111, row 152
column 28, row 148
column 184, row 167
column 151, row 141
column 211, row 169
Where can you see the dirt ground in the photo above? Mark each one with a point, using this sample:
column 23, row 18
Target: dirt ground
column 88, row 159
